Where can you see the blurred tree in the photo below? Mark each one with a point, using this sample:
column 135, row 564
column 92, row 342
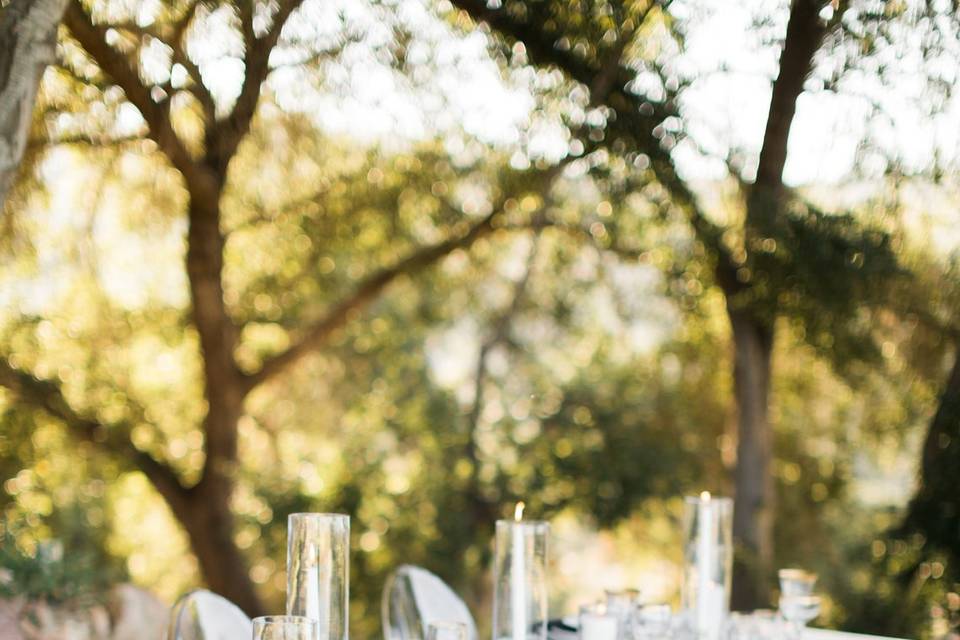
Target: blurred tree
column 200, row 136
column 773, row 263
column 28, row 35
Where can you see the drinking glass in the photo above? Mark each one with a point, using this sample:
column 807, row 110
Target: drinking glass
column 318, row 571
column 284, row 628
column 621, row 604
column 796, row 582
column 652, row 621
column 446, row 630
column 798, row 611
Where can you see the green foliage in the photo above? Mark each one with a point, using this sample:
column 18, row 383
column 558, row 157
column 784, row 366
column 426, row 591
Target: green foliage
column 55, row 573
column 829, row 272
column 605, row 392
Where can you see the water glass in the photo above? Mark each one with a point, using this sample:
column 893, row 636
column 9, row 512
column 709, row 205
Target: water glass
column 446, row 630
column 759, row 625
column 652, row 621
column 799, row 610
column 284, row 628
column 796, row 582
column 621, row 603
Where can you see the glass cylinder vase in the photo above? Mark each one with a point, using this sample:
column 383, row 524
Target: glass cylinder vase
column 520, row 580
column 318, row 571
column 708, row 563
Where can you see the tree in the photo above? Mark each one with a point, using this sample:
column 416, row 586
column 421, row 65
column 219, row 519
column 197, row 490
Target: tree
column 200, row 137
column 28, row 33
column 768, row 267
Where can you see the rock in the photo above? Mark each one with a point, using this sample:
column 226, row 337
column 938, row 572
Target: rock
column 132, row 613
column 137, row 614
column 9, row 619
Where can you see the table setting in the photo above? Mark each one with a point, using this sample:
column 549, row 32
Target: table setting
column 418, row 605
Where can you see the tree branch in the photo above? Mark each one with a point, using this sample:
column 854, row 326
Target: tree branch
column 498, row 333
column 636, row 118
column 231, row 131
column 115, row 438
column 367, row 291
column 114, row 64
column 200, row 90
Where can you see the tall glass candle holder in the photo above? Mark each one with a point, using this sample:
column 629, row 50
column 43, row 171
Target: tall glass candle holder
column 708, row 563
column 318, row 571
column 520, row 579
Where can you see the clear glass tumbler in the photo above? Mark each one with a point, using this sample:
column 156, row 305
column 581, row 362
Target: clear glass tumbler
column 621, row 603
column 284, row 628
column 318, row 571
column 796, row 582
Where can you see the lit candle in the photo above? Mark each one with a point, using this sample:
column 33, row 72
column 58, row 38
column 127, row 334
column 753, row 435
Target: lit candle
column 518, row 574
column 596, row 623
column 705, row 560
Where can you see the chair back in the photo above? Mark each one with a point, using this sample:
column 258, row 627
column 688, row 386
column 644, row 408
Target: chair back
column 413, row 598
column 203, row 615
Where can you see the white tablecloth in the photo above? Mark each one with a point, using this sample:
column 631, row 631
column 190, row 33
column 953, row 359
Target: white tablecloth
column 808, row 634
column 820, row 634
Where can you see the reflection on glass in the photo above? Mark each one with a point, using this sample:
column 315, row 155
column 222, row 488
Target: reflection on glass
column 284, row 628
column 446, row 630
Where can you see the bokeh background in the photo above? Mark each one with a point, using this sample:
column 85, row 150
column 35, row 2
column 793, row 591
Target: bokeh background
column 452, row 255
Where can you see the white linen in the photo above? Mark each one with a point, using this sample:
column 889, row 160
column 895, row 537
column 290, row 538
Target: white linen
column 822, row 634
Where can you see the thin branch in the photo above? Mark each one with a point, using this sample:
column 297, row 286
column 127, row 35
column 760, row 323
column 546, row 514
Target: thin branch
column 114, row 64
column 499, row 330
column 366, row 292
column 82, row 140
column 231, row 131
column 199, row 89
column 113, row 438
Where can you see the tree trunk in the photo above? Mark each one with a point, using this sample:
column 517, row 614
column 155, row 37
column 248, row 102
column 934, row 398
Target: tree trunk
column 753, row 515
column 28, row 38
column 753, row 327
column 209, row 523
column 935, row 509
column 207, row 517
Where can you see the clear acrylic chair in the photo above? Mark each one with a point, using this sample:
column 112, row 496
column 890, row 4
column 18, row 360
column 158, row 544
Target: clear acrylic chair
column 413, row 598
column 203, row 615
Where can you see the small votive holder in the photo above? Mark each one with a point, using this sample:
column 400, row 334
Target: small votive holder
column 597, row 622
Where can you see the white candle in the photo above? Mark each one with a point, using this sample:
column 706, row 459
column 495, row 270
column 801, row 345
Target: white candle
column 598, row 626
column 518, row 574
column 706, row 542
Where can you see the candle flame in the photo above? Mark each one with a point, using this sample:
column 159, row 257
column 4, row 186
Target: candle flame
column 705, row 496
column 518, row 512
